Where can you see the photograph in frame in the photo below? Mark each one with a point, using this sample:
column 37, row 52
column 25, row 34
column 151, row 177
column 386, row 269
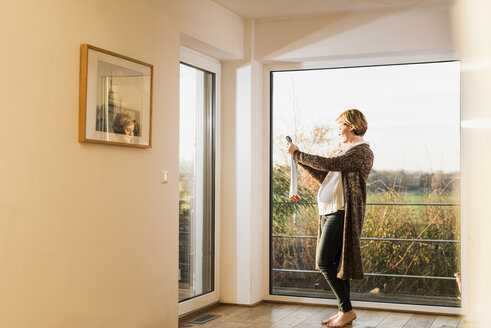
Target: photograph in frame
column 115, row 99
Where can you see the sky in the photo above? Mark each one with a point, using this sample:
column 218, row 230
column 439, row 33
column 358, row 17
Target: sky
column 188, row 103
column 413, row 111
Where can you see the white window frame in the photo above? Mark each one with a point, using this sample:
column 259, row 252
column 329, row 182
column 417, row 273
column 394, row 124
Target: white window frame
column 212, row 65
column 354, row 62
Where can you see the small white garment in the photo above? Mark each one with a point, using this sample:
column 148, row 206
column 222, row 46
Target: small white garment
column 293, row 181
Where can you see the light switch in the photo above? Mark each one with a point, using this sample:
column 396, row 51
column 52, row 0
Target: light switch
column 164, row 176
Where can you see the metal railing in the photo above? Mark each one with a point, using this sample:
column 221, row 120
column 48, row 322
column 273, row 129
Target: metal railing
column 381, row 203
column 374, row 274
column 379, row 239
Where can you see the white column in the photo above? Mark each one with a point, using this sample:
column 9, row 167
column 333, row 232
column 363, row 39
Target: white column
column 242, row 180
column 472, row 26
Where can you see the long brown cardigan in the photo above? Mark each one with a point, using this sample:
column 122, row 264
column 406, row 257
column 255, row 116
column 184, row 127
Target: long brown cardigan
column 354, row 165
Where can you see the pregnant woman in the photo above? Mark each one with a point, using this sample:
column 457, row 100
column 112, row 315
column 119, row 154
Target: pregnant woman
column 341, row 202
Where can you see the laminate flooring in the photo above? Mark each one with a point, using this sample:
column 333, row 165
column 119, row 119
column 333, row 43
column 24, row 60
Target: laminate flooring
column 275, row 315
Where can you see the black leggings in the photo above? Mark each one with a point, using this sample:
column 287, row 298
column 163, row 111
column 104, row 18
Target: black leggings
column 329, row 254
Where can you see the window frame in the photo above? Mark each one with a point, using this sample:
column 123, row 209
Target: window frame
column 267, row 260
column 200, row 61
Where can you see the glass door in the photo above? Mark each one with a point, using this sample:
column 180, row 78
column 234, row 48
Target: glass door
column 197, row 253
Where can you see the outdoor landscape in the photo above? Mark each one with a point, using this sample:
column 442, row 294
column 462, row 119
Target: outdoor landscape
column 419, row 209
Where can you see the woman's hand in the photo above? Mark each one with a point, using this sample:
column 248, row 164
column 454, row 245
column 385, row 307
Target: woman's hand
column 291, row 148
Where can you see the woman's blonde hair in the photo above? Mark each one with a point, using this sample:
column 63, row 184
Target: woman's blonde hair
column 355, row 120
column 120, row 122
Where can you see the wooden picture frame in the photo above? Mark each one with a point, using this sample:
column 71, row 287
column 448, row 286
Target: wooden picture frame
column 115, row 99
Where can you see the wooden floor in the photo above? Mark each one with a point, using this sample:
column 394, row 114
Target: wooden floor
column 275, row 315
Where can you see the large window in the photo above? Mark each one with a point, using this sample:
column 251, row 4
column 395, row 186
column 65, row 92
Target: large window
column 411, row 236
column 196, row 183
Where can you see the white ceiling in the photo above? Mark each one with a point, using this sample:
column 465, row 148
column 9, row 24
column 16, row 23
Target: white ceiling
column 286, row 8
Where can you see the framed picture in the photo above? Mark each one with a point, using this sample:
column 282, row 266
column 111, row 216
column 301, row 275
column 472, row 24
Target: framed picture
column 115, row 99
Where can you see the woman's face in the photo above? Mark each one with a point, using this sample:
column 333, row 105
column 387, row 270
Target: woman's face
column 345, row 133
column 129, row 130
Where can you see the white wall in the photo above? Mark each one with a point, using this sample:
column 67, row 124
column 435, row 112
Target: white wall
column 88, row 235
column 375, row 37
column 211, row 29
column 414, row 34
column 344, row 39
column 472, row 23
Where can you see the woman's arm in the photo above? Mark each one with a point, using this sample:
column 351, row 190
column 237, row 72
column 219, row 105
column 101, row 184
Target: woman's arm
column 319, row 176
column 354, row 160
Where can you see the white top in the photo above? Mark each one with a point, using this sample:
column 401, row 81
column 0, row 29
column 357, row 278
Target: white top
column 330, row 198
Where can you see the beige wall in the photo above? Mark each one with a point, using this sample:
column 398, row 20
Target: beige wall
column 88, row 235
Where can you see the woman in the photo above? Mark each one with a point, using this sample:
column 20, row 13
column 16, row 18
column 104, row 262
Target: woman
column 125, row 125
column 341, row 201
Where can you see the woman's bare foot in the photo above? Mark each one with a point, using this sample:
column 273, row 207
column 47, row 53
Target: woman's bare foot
column 331, row 319
column 343, row 319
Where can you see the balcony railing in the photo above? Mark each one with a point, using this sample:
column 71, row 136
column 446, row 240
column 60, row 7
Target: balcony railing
column 379, row 239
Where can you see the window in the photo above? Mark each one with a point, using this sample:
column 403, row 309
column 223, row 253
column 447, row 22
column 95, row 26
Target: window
column 196, row 183
column 411, row 235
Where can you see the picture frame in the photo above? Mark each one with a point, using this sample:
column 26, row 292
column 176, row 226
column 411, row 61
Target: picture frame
column 115, row 99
